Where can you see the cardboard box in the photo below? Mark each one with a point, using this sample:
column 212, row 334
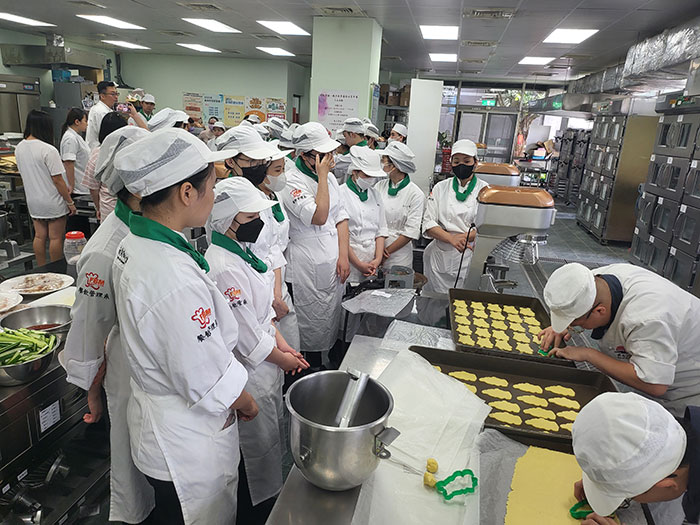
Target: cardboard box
column 405, row 98
column 384, row 89
column 393, row 100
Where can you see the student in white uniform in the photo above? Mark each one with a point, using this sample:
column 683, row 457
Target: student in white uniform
column 93, row 340
column 450, row 212
column 371, row 134
column 403, row 205
column 247, row 283
column 276, row 126
column 318, row 263
column 168, row 118
column 218, row 129
column 636, row 313
column 399, row 133
column 353, row 131
column 262, row 131
column 187, row 387
column 74, row 150
column 363, row 204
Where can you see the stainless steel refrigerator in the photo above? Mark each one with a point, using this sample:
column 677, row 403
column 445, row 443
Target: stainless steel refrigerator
column 18, row 96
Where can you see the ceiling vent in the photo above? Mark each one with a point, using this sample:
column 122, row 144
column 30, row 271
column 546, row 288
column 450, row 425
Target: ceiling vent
column 231, row 51
column 266, row 36
column 572, row 56
column 202, row 7
column 480, row 43
column 561, row 67
column 341, row 11
column 177, row 34
column 469, row 72
column 472, row 60
column 489, row 13
column 86, row 3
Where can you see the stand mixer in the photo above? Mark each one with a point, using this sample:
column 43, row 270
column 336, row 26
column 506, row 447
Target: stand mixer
column 511, row 222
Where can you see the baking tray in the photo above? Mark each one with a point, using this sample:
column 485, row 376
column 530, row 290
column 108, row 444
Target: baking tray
column 533, row 303
column 587, row 385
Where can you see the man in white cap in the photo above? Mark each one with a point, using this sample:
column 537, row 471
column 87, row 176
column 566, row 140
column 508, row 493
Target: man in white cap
column 168, row 118
column 634, row 312
column 400, row 132
column 630, row 447
column 148, row 105
column 318, row 247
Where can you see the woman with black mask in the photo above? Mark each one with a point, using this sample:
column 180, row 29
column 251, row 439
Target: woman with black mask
column 449, row 216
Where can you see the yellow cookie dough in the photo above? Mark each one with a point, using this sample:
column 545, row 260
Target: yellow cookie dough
column 466, row 340
column 514, row 318
column 432, row 465
column 529, row 388
column 566, row 402
column 497, row 393
column 540, row 413
column 531, row 321
column 521, row 338
column 471, row 387
column 499, row 325
column 481, row 314
column 534, row 329
column 567, row 426
column 461, row 311
column 498, row 334
column 459, row 303
column 510, row 309
column 506, row 417
column 437, row 368
column 429, row 480
column 477, row 305
column 462, row 329
column 533, row 400
column 493, row 307
column 543, row 424
column 503, row 345
column 483, row 332
column 497, row 316
column 461, row 319
column 481, row 323
column 567, row 414
column 517, row 327
column 527, row 312
column 506, row 406
column 561, row 390
column 463, row 375
column 484, row 342
column 494, row 381
column 524, row 348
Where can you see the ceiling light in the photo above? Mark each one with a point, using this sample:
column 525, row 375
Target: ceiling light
column 277, row 51
column 22, row 20
column 109, row 21
column 122, row 43
column 536, row 61
column 439, row 32
column 569, row 36
column 200, row 48
column 283, row 28
column 443, row 57
column 211, row 25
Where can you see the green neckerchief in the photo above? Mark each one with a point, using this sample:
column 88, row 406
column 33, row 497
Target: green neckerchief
column 462, row 195
column 232, row 246
column 144, row 227
column 277, row 209
column 362, row 194
column 147, row 117
column 396, row 189
column 301, row 166
column 122, row 211
column 363, row 143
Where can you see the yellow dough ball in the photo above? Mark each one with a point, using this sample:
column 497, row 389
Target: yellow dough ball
column 429, row 480
column 432, row 465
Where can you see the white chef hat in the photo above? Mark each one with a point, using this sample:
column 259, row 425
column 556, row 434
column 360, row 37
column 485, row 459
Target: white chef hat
column 400, row 129
column 219, row 124
column 371, row 131
column 276, row 126
column 166, row 118
column 112, row 144
column 262, row 131
column 148, row 98
column 401, row 156
column 232, row 196
column 246, row 140
column 569, row 293
column 253, row 118
column 353, row 125
column 464, row 146
column 367, row 161
column 338, row 135
column 285, row 140
column 162, row 159
column 313, row 136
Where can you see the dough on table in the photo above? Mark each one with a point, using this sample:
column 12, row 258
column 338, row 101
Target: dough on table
column 459, row 303
column 561, row 390
column 567, row 426
column 494, row 381
column 567, row 414
column 429, row 480
column 483, row 332
column 566, row 402
column 470, row 387
column 497, row 393
column 506, row 417
column 499, row 334
column 466, row 340
column 463, row 329
column 431, row 465
column 481, row 323
column 530, row 321
column 436, row 367
column 521, row 338
column 510, row 309
column 514, row 318
column 462, row 319
column 461, row 311
column 505, row 406
column 543, row 424
column 503, row 345
column 540, row 412
column 526, row 312
column 463, row 375
column 524, row 348
column 477, row 305
column 497, row 316
column 529, row 388
column 534, row 329
column 517, row 327
column 533, row 400
column 484, row 342
column 493, row 307
column 481, row 314
column 499, row 325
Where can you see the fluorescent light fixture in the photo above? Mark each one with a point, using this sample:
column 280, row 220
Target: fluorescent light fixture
column 211, row 25
column 277, row 51
column 443, row 57
column 536, row 61
column 200, row 48
column 283, row 28
column 569, row 36
column 440, row 32
column 22, row 20
column 109, row 21
column 122, row 43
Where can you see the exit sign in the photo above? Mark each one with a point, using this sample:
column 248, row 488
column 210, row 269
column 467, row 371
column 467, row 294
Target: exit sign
column 488, row 101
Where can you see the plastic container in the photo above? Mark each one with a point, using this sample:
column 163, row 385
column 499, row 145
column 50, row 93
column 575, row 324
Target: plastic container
column 72, row 248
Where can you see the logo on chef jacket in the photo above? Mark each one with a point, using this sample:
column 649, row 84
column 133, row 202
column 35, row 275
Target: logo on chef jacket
column 202, row 316
column 233, row 294
column 295, row 193
column 92, row 280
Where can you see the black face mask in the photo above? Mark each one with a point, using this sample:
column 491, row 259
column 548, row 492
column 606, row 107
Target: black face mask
column 462, row 171
column 255, row 174
column 250, row 231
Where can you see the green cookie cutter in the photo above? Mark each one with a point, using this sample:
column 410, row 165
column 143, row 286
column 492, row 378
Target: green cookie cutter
column 440, row 486
column 578, row 512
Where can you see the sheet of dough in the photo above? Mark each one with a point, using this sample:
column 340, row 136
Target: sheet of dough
column 528, row 503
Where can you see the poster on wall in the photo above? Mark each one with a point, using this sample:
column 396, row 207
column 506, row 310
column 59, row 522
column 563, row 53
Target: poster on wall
column 336, row 106
column 234, row 110
column 255, row 106
column 374, row 114
column 276, row 107
column 212, row 106
column 192, row 104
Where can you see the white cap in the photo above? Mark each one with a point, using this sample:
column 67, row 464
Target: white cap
column 313, row 136
column 400, row 129
column 285, row 140
column 276, row 126
column 262, row 131
column 338, row 135
column 149, row 98
column 219, row 124
column 112, row 144
column 246, row 140
column 401, row 156
column 625, row 444
column 232, row 196
column 464, row 146
column 162, row 159
column 166, row 118
column 569, row 293
column 253, row 118
column 371, row 130
column 353, row 125
column 367, row 161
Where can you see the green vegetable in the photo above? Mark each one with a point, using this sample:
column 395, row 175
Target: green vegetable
column 22, row 346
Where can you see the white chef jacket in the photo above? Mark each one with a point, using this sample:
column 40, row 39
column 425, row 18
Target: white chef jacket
column 95, row 116
column 273, row 239
column 404, row 213
column 342, row 167
column 74, row 147
column 658, row 325
column 37, row 162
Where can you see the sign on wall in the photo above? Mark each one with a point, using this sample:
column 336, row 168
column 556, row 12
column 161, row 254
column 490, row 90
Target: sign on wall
column 232, row 108
column 336, row 106
column 212, row 106
column 276, row 107
column 192, row 104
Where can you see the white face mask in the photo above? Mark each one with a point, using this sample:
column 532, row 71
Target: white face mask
column 277, row 183
column 365, row 184
column 389, row 141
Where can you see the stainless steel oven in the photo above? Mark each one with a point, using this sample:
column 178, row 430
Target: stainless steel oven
column 667, row 175
column 691, row 193
column 598, row 219
column 681, row 268
column 640, row 248
column 657, row 252
column 584, row 211
column 664, row 218
column 676, row 135
column 599, row 134
column 594, row 161
column 609, row 164
column 686, row 231
column 616, row 130
column 605, row 187
column 645, row 209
